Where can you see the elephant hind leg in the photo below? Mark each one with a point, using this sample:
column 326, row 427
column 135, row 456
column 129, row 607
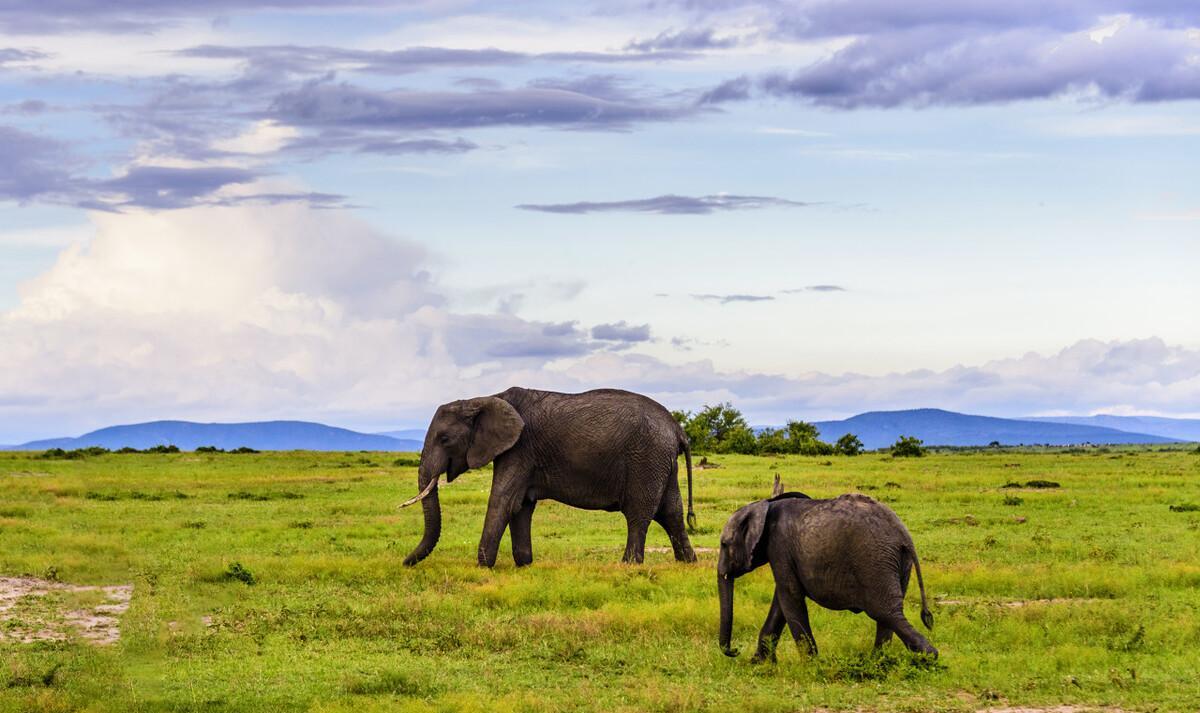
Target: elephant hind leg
column 910, row 636
column 670, row 516
column 883, row 634
column 635, row 539
column 519, row 529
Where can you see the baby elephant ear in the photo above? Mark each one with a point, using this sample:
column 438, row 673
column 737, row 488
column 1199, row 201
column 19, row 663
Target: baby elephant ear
column 497, row 428
column 756, row 520
column 778, row 489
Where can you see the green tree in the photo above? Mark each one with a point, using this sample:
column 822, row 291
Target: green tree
column 740, row 439
column 908, row 447
column 712, row 426
column 849, row 445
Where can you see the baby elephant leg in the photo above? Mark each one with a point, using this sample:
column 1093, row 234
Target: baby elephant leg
column 795, row 610
column 883, row 634
column 768, row 637
column 910, row 636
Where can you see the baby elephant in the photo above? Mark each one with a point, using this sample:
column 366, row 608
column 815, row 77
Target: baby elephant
column 850, row 552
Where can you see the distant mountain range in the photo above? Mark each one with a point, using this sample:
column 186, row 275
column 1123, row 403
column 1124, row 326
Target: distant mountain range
column 263, row 436
column 879, row 429
column 1185, row 429
column 876, row 429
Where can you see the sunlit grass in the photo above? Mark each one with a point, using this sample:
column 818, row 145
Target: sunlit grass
column 1087, row 593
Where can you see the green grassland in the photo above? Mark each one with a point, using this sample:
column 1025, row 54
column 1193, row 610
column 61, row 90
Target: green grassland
column 1085, row 594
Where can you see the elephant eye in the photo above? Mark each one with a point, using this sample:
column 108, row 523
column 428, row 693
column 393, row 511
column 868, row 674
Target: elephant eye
column 444, row 439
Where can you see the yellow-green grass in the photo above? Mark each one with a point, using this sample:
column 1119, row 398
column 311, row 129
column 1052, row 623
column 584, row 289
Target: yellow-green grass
column 1086, row 594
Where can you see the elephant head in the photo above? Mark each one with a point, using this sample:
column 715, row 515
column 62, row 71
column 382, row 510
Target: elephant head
column 740, row 553
column 462, row 435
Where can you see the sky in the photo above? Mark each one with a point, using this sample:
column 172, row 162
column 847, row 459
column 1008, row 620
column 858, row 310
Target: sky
column 351, row 212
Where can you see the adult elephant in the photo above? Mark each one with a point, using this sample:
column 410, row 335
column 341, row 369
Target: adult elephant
column 599, row 450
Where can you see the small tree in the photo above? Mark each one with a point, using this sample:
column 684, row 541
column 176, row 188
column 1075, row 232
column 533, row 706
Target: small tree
column 739, row 440
column 908, row 447
column 849, row 445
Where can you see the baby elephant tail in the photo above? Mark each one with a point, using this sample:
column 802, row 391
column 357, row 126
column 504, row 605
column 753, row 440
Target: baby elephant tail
column 926, row 615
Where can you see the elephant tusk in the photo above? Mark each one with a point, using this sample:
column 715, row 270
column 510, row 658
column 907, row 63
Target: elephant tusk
column 421, row 495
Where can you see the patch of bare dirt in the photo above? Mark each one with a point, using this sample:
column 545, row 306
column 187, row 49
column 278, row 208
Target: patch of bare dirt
column 668, row 550
column 33, row 609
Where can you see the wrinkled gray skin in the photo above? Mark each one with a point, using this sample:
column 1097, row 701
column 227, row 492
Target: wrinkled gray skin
column 850, row 552
column 599, row 450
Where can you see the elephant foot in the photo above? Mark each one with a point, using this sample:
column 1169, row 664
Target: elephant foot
column 764, row 654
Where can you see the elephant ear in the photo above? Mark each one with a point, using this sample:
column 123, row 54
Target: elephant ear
column 751, row 520
column 497, row 428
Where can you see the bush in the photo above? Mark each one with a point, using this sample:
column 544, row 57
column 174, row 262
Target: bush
column 209, row 449
column 243, row 449
column 127, row 449
column 849, row 445
column 1012, row 500
column 407, row 462
column 1186, row 507
column 908, row 447
column 237, row 572
column 162, row 449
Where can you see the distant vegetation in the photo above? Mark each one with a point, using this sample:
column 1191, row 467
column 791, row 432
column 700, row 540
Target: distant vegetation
column 79, row 453
column 908, row 447
column 723, row 429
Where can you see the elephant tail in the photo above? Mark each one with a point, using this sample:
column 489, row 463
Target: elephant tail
column 687, row 455
column 926, row 615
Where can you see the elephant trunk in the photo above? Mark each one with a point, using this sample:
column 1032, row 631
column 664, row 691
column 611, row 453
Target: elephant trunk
column 432, row 509
column 725, row 588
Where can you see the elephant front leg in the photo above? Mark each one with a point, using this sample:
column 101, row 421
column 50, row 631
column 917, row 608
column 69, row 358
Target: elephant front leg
column 768, row 637
column 519, row 528
column 792, row 600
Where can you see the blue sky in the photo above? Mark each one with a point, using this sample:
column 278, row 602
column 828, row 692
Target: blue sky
column 351, row 212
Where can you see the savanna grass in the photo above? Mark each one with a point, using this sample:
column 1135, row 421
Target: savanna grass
column 273, row 581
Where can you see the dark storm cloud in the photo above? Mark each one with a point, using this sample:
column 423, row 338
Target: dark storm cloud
column 39, row 169
column 729, row 299
column 667, row 205
column 622, row 332
column 929, row 53
column 348, row 106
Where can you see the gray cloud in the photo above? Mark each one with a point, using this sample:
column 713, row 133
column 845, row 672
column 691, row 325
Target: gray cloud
column 40, row 169
column 816, row 288
column 689, row 39
column 55, row 16
column 728, row 299
column 29, row 107
column 315, row 60
column 936, row 53
column 13, row 55
column 621, row 332
column 667, row 205
column 373, row 143
column 347, row 106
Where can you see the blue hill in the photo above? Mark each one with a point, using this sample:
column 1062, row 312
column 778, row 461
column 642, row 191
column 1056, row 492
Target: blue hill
column 1185, row 429
column 879, row 429
column 263, row 436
